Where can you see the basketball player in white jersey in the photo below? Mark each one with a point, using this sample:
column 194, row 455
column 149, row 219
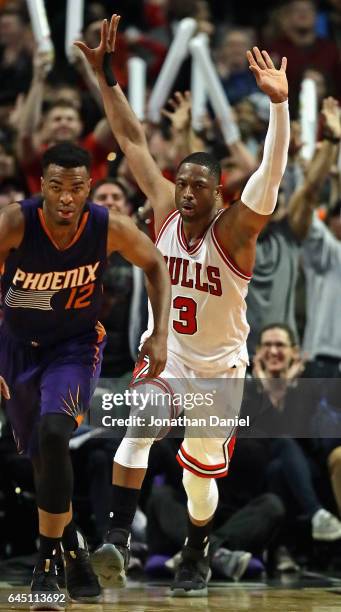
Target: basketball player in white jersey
column 210, row 255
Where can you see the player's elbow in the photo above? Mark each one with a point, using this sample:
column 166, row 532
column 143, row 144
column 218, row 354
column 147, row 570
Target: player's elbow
column 134, row 138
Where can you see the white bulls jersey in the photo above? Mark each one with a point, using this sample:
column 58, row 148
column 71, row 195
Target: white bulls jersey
column 207, row 327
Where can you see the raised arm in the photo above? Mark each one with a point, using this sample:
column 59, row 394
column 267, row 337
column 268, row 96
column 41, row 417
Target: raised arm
column 304, row 201
column 184, row 138
column 31, row 111
column 137, row 248
column 240, row 226
column 126, row 128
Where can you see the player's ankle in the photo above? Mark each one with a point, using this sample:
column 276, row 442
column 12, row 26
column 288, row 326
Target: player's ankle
column 118, row 536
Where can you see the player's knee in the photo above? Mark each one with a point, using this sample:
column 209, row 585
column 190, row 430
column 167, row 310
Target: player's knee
column 202, row 496
column 54, row 434
column 134, row 452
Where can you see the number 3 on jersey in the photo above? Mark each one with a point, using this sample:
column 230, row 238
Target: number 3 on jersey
column 187, row 322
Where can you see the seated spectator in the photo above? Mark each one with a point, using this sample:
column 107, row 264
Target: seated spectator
column 304, row 49
column 283, row 408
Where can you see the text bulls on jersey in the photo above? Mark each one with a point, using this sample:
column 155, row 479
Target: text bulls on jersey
column 194, row 275
column 56, row 280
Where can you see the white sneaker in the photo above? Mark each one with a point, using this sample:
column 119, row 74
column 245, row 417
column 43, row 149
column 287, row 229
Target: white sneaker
column 325, row 526
column 284, row 561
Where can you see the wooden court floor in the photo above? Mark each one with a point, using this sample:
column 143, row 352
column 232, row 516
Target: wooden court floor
column 255, row 597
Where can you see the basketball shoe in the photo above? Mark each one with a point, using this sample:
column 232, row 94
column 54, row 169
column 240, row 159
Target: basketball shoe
column 192, row 574
column 80, row 579
column 110, row 561
column 45, row 591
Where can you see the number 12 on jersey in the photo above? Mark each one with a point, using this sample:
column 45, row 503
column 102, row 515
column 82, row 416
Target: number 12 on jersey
column 79, row 297
column 187, row 322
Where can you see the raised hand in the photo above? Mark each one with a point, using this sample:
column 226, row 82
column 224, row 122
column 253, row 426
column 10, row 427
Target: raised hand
column 332, row 119
column 4, row 390
column 107, row 44
column 42, row 64
column 270, row 81
column 180, row 115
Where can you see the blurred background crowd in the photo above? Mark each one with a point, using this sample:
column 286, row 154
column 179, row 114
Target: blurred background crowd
column 280, row 507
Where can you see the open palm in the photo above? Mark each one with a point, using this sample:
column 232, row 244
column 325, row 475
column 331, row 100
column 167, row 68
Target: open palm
column 107, row 43
column 270, row 81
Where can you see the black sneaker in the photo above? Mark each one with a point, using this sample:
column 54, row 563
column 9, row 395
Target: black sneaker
column 110, row 561
column 45, row 592
column 192, row 574
column 81, row 581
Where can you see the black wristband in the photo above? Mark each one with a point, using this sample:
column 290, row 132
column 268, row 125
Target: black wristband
column 108, row 71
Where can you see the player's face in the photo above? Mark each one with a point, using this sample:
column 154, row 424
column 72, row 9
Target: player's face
column 276, row 351
column 112, row 197
column 196, row 192
column 65, row 191
column 62, row 124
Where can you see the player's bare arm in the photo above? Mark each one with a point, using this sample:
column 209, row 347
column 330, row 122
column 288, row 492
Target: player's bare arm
column 126, row 128
column 11, row 235
column 138, row 249
column 240, row 226
column 12, row 227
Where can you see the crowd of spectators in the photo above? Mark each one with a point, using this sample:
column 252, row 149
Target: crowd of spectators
column 289, row 471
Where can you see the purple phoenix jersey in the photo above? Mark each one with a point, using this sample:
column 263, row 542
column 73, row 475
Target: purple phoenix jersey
column 51, row 294
column 51, row 342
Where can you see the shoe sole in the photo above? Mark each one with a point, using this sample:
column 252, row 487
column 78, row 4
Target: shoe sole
column 323, row 537
column 46, row 606
column 93, row 599
column 180, row 592
column 108, row 565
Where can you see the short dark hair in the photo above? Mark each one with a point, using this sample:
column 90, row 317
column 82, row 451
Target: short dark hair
column 61, row 103
column 284, row 327
column 67, row 155
column 203, row 159
column 112, row 181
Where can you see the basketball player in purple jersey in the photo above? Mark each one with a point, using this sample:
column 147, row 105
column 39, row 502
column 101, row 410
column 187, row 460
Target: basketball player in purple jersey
column 210, row 255
column 53, row 251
